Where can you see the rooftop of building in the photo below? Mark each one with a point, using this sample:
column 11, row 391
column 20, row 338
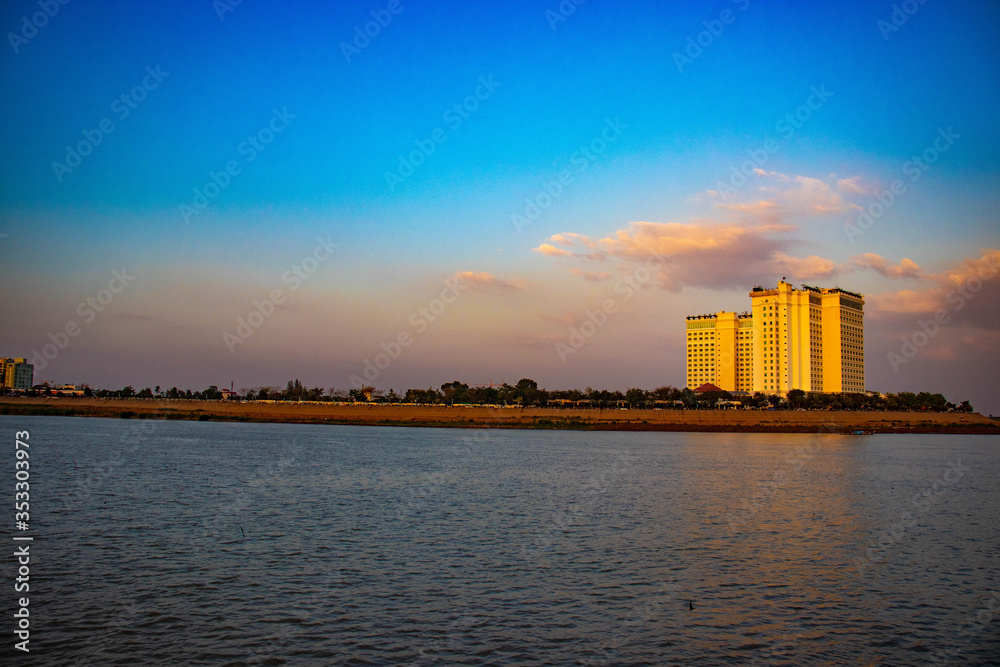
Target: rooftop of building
column 771, row 291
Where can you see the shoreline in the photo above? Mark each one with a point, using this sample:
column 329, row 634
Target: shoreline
column 440, row 416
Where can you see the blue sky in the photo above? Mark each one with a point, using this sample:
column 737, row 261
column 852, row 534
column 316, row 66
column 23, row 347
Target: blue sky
column 555, row 88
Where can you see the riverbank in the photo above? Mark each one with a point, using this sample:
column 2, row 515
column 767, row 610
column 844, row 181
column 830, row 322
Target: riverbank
column 754, row 421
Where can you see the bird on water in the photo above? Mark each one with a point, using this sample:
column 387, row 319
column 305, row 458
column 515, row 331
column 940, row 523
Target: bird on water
column 690, row 604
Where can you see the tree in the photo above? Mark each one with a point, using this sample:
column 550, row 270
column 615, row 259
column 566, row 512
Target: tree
column 455, row 392
column 635, row 396
column 664, row 393
column 525, row 392
column 797, row 398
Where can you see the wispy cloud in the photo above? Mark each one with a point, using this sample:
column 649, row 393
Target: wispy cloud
column 486, row 281
column 593, row 276
column 855, row 186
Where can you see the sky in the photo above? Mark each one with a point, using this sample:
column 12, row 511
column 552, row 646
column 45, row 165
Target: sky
column 413, row 192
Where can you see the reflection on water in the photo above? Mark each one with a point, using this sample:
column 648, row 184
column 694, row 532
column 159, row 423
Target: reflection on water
column 255, row 544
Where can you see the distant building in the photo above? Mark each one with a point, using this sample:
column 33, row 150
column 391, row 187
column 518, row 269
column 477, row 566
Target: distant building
column 810, row 339
column 16, row 374
column 719, row 351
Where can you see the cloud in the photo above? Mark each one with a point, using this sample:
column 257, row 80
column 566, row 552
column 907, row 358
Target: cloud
column 968, row 294
column 809, row 268
column 552, row 251
column 706, row 255
column 594, row 276
column 486, row 281
column 774, row 196
column 854, row 186
column 752, row 233
column 906, row 301
column 972, row 270
column 906, row 268
column 804, row 195
column 572, row 238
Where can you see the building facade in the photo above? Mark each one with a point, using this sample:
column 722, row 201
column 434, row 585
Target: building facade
column 810, row 339
column 720, row 351
column 16, row 373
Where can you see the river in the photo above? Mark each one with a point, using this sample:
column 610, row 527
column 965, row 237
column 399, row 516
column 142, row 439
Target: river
column 188, row 543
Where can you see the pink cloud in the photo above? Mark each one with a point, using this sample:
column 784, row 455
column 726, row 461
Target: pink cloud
column 552, row 251
column 906, row 268
column 808, row 268
column 968, row 293
column 702, row 255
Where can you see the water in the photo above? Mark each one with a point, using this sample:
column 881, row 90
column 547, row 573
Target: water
column 192, row 543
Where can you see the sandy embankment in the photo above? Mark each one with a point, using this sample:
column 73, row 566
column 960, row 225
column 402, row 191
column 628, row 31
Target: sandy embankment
column 596, row 419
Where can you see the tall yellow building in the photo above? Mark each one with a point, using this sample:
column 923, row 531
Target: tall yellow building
column 810, row 339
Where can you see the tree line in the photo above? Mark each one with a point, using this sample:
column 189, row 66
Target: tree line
column 527, row 394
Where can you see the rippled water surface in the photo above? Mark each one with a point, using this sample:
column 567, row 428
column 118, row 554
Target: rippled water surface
column 255, row 544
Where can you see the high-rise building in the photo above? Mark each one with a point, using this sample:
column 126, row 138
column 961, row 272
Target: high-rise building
column 810, row 339
column 720, row 351
column 16, row 373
